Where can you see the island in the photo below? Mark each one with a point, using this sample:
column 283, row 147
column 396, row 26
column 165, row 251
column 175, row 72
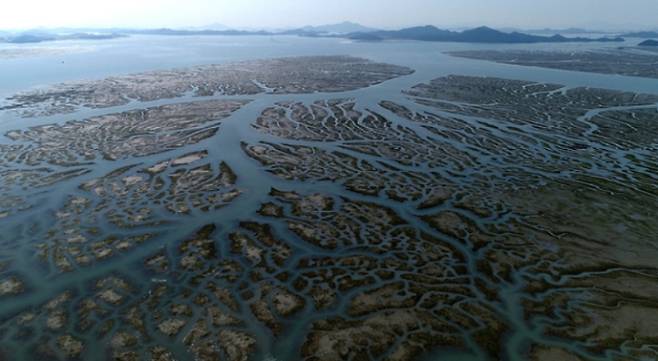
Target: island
column 649, row 42
column 24, row 38
column 621, row 61
column 481, row 34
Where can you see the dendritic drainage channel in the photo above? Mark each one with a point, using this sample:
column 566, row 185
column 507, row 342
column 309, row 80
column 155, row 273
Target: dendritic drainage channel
column 465, row 217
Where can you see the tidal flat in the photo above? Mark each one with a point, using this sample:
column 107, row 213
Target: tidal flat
column 629, row 61
column 284, row 75
column 328, row 208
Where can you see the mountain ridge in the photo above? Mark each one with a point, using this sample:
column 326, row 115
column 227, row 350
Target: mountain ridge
column 650, row 42
column 482, row 34
column 642, row 34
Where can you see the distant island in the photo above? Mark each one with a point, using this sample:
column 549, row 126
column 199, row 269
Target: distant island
column 345, row 27
column 347, row 30
column 25, row 38
column 478, row 35
column 422, row 33
column 339, row 29
column 550, row 31
column 175, row 32
column 642, row 34
column 649, row 42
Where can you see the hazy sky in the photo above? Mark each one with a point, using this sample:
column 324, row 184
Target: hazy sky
column 289, row 13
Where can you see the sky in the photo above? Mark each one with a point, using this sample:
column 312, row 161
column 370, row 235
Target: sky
column 528, row 14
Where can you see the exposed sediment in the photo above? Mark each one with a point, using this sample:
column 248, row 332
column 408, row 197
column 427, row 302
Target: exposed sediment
column 568, row 166
column 459, row 215
column 118, row 136
column 622, row 61
column 295, row 75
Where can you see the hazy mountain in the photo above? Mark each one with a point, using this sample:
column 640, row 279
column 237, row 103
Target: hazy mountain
column 478, row 35
column 365, row 37
column 213, row 26
column 649, row 42
column 549, row 31
column 345, row 27
column 28, row 38
column 428, row 33
column 642, row 34
column 39, row 37
column 424, row 33
column 179, row 32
